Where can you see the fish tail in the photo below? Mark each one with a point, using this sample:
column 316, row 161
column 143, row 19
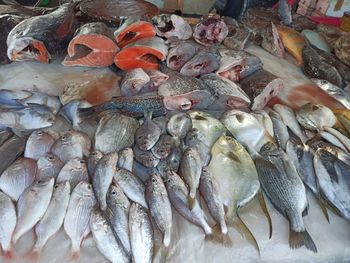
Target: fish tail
column 74, row 255
column 148, row 114
column 299, row 239
column 191, row 201
column 8, row 255
column 34, row 255
column 167, row 238
column 323, row 207
column 266, row 212
column 218, row 237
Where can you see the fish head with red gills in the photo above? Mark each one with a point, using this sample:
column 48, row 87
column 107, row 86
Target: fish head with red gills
column 180, row 54
column 202, row 63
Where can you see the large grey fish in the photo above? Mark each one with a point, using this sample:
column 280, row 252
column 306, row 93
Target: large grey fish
column 53, row 218
column 38, row 145
column 11, row 150
column 17, row 177
column 133, row 188
column 73, row 171
column 126, row 159
column 278, row 172
column 147, row 135
column 202, row 63
column 133, row 81
column 32, row 205
column 178, row 195
column 180, row 54
column 164, row 146
column 105, row 240
column 117, row 214
column 7, row 225
column 76, row 221
column 103, row 176
column 179, row 124
column 49, row 166
column 195, row 138
column 141, row 234
column 115, row 132
column 159, row 206
column 172, row 162
column 93, row 159
column 146, row 158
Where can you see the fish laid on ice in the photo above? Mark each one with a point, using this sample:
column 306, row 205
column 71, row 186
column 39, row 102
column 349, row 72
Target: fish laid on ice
column 41, row 37
column 7, row 225
column 74, row 171
column 261, row 87
column 133, row 81
column 92, row 46
column 38, row 145
column 202, row 63
column 179, row 124
column 210, row 30
column 147, row 135
column 180, row 55
column 142, row 54
column 10, row 150
column 126, row 159
column 171, row 25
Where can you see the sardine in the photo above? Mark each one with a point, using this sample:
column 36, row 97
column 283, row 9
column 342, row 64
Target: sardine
column 49, row 166
column 147, row 135
column 7, row 225
column 126, row 159
column 38, row 145
column 74, row 171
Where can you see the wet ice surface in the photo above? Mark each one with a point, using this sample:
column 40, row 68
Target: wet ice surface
column 188, row 244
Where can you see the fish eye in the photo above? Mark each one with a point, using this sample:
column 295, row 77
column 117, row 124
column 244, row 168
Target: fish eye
column 39, row 132
column 154, row 180
column 89, row 187
column 51, row 158
column 40, row 181
column 64, row 137
column 56, row 186
column 81, row 161
column 114, row 192
column 94, row 153
column 51, row 119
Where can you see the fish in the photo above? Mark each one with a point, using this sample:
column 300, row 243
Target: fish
column 272, row 40
column 202, row 63
column 74, row 171
column 133, row 82
column 141, row 234
column 11, row 98
column 251, row 65
column 172, row 26
column 172, row 162
column 238, row 36
column 231, row 63
column 4, row 136
column 42, row 37
column 18, row 177
column 280, row 130
column 156, row 78
column 146, row 158
column 126, row 159
column 341, row 137
column 10, row 150
column 117, row 214
column 278, row 172
column 316, row 66
column 162, row 122
column 164, row 146
column 27, row 118
column 91, row 46
column 76, row 221
column 49, row 166
column 38, row 98
column 179, row 124
column 264, row 118
column 159, row 206
column 316, row 39
column 32, row 205
column 332, row 139
column 179, row 55
column 104, row 238
column 38, row 145
column 7, row 225
column 227, row 94
column 196, row 139
column 103, row 176
column 92, row 161
column 210, row 127
column 261, row 87
column 285, row 12
column 142, row 172
column 178, row 196
column 343, row 117
column 341, row 49
column 115, row 132
column 53, row 218
column 131, row 185
column 147, row 135
column 334, row 91
column 315, row 117
column 132, row 30
column 142, row 54
column 210, row 30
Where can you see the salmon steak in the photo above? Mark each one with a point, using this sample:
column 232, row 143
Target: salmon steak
column 92, row 46
column 143, row 54
column 132, row 30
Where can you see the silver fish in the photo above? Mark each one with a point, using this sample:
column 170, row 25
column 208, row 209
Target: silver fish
column 9, row 98
column 280, row 130
column 147, row 135
column 172, row 162
column 142, row 172
column 73, row 171
column 4, row 136
column 51, row 102
column 141, row 234
column 10, row 151
column 38, row 144
column 164, row 146
column 93, row 159
column 7, row 224
column 103, row 176
column 126, row 159
column 32, row 205
column 146, row 158
column 133, row 81
column 159, row 206
column 179, row 124
column 195, row 138
column 49, row 166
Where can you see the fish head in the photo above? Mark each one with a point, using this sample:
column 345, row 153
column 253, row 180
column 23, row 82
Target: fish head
column 193, row 137
column 155, row 181
column 84, row 189
column 40, row 116
column 147, row 140
column 110, row 159
column 171, row 179
column 156, row 76
column 76, row 165
column 180, row 103
column 226, row 144
column 162, row 23
column 63, row 187
column 27, row 48
column 180, row 55
column 114, row 194
column 48, row 161
column 43, row 183
column 40, row 135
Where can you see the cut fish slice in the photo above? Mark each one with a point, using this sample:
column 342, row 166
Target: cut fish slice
column 92, row 46
column 142, row 54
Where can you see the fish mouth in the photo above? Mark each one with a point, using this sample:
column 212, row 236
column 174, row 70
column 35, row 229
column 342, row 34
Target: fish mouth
column 28, row 49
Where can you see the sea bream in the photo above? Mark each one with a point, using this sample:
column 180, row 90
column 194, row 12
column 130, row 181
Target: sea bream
column 171, row 25
column 41, row 37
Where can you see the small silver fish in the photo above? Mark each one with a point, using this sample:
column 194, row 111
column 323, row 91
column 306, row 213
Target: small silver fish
column 73, row 171
column 146, row 158
column 179, row 124
column 49, row 166
column 93, row 159
column 164, row 146
column 147, row 135
column 126, row 159
column 38, row 144
column 7, row 224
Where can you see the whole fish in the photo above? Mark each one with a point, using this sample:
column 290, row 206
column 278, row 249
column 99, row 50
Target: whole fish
column 278, row 172
column 17, row 177
column 32, row 205
column 93, row 159
column 280, row 129
column 53, row 218
column 159, row 206
column 179, row 124
column 162, row 123
column 4, row 136
column 9, row 98
column 142, row 172
column 146, row 158
column 103, row 176
column 202, row 63
column 104, row 238
column 41, row 37
column 131, row 185
column 115, row 132
column 74, row 171
column 7, row 225
column 178, row 195
column 147, row 135
column 76, row 221
column 172, row 162
column 210, row 30
column 117, row 214
column 179, row 55
column 264, row 118
column 126, row 159
column 141, row 234
column 38, row 145
column 133, row 81
column 164, row 146
column 171, row 25
column 196, row 139
column 49, row 166
column 10, row 151
column 52, row 102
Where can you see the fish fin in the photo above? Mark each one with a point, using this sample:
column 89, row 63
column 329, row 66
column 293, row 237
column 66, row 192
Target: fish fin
column 323, row 207
column 329, row 205
column 8, row 255
column 218, row 237
column 264, row 209
column 299, row 239
column 293, row 137
column 34, row 255
column 148, row 114
column 233, row 157
column 191, row 202
column 74, row 256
